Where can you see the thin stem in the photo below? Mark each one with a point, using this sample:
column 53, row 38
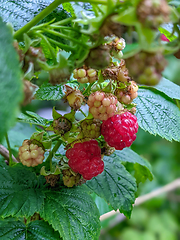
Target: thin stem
column 10, row 152
column 63, row 27
column 50, row 156
column 61, row 45
column 82, row 112
column 49, row 46
column 19, row 33
column 65, row 36
column 88, row 88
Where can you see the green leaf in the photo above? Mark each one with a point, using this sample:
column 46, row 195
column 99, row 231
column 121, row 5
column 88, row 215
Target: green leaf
column 11, row 229
column 171, row 89
column 10, row 81
column 115, row 185
column 158, row 115
column 33, row 118
column 49, row 92
column 73, row 213
column 142, row 167
column 167, row 30
column 20, row 191
column 21, row 12
column 68, row 7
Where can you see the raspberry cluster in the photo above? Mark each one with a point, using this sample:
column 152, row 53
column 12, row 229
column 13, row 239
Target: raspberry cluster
column 117, row 73
column 128, row 94
column 120, row 131
column 153, row 13
column 85, row 75
column 102, row 105
column 85, row 158
column 91, row 128
column 146, row 67
column 31, row 154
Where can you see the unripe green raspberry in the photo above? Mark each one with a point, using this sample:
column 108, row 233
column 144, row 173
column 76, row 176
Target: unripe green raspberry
column 31, row 153
column 74, row 97
column 91, row 128
column 70, row 178
column 61, row 125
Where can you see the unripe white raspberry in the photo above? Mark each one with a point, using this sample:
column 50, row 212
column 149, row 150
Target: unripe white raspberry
column 84, row 75
column 31, row 154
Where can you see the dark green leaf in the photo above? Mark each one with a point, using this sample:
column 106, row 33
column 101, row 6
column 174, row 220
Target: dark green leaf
column 49, row 92
column 141, row 166
column 10, row 81
column 20, row 12
column 20, row 191
column 33, row 118
column 115, row 185
column 11, row 229
column 158, row 115
column 73, row 213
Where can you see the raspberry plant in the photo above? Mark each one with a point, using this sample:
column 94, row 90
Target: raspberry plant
column 105, row 54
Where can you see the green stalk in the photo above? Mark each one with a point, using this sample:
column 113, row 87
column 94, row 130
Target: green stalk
column 65, row 36
column 50, row 156
column 10, row 152
column 19, row 33
column 88, row 88
column 49, row 46
column 61, row 45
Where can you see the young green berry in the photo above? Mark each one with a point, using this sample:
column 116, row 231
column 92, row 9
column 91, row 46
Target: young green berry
column 91, row 128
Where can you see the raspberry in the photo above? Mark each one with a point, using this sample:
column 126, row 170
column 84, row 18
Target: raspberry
column 84, row 75
column 74, row 97
column 118, row 73
column 91, row 128
column 29, row 90
column 99, row 57
column 164, row 38
column 120, row 131
column 85, row 158
column 31, row 153
column 61, row 125
column 70, row 178
column 128, row 94
column 102, row 105
column 59, row 75
column 152, row 13
column 146, row 67
column 110, row 28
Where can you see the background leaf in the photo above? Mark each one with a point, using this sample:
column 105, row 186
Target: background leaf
column 16, row 230
column 73, row 213
column 169, row 88
column 49, row 92
column 20, row 191
column 10, row 81
column 20, row 12
column 115, row 185
column 141, row 166
column 33, row 118
column 158, row 115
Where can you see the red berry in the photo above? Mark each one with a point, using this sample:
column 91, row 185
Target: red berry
column 120, row 131
column 85, row 158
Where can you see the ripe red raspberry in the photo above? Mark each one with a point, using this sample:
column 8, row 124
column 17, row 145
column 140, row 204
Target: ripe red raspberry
column 30, row 153
column 84, row 75
column 85, row 158
column 120, row 131
column 102, row 105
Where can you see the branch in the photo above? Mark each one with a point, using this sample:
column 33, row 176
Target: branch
column 5, row 153
column 167, row 188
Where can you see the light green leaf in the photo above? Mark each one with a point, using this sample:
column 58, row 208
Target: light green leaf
column 68, row 7
column 158, row 115
column 20, row 191
column 171, row 89
column 11, row 229
column 49, row 92
column 10, row 81
column 115, row 185
column 73, row 213
column 33, row 118
column 142, row 167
